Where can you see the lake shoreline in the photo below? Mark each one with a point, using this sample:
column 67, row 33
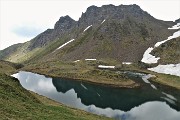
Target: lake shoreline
column 90, row 81
column 88, row 71
column 100, row 99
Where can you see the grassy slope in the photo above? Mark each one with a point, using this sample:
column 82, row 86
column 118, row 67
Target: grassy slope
column 18, row 103
column 6, row 67
column 170, row 80
column 87, row 70
column 82, row 70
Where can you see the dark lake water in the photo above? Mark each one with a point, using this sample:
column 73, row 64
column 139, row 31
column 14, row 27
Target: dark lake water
column 150, row 102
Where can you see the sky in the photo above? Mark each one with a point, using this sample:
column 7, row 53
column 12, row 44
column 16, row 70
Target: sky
column 22, row 20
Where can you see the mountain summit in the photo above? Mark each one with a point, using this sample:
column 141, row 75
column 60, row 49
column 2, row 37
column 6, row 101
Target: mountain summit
column 64, row 23
column 120, row 33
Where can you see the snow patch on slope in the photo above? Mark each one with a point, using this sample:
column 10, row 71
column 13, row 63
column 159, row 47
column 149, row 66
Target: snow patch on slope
column 104, row 66
column 172, row 69
column 103, row 21
column 126, row 63
column 90, row 59
column 64, row 44
column 76, row 60
column 177, row 26
column 87, row 28
column 175, row 35
column 148, row 58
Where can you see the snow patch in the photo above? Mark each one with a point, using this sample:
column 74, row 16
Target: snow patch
column 177, row 26
column 90, row 59
column 87, row 28
column 172, row 69
column 175, row 35
column 148, row 58
column 64, row 44
column 104, row 66
column 127, row 63
column 103, row 21
column 76, row 60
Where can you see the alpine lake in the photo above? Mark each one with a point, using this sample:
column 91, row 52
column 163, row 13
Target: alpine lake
column 151, row 101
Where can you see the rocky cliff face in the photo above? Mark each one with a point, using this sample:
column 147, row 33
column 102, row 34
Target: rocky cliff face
column 65, row 23
column 121, row 32
column 95, row 14
column 63, row 26
column 177, row 21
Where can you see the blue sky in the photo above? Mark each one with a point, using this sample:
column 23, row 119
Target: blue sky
column 27, row 31
column 22, row 20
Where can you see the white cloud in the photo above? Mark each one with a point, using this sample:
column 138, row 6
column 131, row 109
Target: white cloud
column 43, row 14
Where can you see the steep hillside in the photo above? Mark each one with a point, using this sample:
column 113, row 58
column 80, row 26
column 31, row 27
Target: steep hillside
column 16, row 53
column 169, row 52
column 8, row 68
column 6, row 53
column 119, row 33
column 120, row 40
column 23, row 52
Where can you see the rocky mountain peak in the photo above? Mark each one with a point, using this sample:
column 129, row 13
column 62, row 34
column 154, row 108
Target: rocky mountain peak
column 121, row 32
column 92, row 8
column 62, row 26
column 64, row 23
column 94, row 14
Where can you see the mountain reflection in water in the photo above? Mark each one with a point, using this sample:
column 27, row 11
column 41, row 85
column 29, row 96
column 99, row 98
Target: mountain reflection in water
column 143, row 103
